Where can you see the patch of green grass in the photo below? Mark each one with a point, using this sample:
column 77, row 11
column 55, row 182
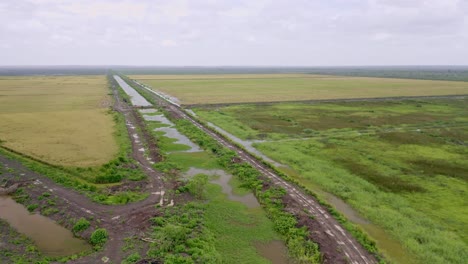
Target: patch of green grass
column 236, row 228
column 281, row 120
column 185, row 160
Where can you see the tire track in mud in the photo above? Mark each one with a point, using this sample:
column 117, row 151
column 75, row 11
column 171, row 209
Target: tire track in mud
column 342, row 243
column 111, row 217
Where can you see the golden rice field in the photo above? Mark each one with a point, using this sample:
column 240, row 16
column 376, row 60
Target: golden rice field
column 63, row 120
column 240, row 88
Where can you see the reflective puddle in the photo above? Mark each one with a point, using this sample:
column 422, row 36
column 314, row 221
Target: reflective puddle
column 172, row 132
column 50, row 238
column 249, row 199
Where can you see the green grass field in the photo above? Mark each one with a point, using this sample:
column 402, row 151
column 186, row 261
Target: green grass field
column 62, row 120
column 218, row 89
column 400, row 164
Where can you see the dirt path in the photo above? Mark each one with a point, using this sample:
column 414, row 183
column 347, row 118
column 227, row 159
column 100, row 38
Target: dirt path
column 336, row 244
column 144, row 151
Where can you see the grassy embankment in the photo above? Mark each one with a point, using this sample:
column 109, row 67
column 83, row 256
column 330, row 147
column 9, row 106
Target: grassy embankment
column 62, row 127
column 230, row 222
column 218, row 89
column 402, row 165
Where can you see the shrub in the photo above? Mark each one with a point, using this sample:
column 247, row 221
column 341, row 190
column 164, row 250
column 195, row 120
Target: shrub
column 81, row 225
column 32, row 207
column 99, row 237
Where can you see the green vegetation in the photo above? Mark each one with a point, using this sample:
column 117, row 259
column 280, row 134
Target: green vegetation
column 196, row 186
column 219, row 89
column 415, row 189
column 32, row 207
column 99, row 238
column 81, row 225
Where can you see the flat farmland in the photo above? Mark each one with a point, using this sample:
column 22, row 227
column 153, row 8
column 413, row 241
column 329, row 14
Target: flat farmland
column 402, row 165
column 239, row 88
column 62, row 120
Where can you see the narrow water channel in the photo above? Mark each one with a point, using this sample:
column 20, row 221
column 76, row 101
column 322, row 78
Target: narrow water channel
column 50, row 238
column 389, row 246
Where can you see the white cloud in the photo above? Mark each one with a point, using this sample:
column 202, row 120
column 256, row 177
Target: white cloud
column 169, row 43
column 310, row 32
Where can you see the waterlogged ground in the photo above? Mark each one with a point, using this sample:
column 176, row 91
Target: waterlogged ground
column 166, row 128
column 232, row 213
column 50, row 238
column 401, row 165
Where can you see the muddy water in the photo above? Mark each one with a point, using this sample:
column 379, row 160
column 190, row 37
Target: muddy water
column 135, row 97
column 49, row 237
column 249, row 199
column 247, row 144
column 275, row 251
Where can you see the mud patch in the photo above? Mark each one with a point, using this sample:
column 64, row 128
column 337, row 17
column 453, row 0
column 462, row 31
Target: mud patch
column 275, row 251
column 50, row 238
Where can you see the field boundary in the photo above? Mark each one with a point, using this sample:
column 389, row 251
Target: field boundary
column 376, row 99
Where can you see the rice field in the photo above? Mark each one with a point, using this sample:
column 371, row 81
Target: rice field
column 245, row 88
column 63, row 120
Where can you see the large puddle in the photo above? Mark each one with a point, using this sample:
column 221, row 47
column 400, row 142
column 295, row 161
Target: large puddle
column 275, row 251
column 247, row 144
column 49, row 237
column 249, row 199
column 135, row 97
column 171, row 132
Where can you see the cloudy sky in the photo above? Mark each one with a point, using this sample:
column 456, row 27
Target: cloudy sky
column 234, row 32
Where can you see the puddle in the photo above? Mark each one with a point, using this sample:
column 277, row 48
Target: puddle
column 135, row 97
column 49, row 237
column 158, row 118
column 172, row 132
column 247, row 144
column 148, row 111
column 275, row 251
column 249, row 199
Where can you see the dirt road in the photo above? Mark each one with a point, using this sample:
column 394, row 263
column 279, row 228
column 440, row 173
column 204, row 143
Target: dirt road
column 340, row 246
column 110, row 216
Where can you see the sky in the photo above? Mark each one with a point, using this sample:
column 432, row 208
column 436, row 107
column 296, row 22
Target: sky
column 234, row 32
